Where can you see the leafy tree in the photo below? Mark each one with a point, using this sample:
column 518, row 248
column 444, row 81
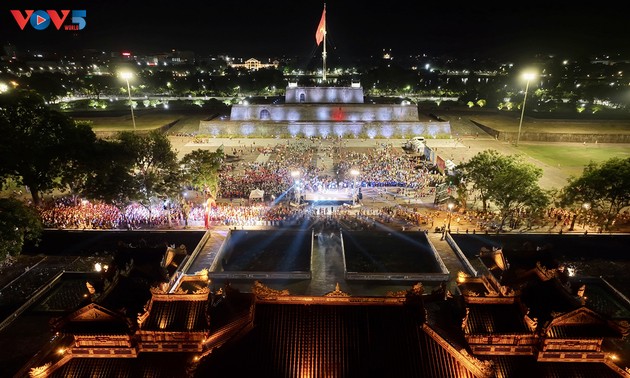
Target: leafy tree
column 96, row 85
column 105, row 174
column 201, row 169
column 154, row 169
column 506, row 181
column 82, row 161
column 514, row 187
column 605, row 186
column 18, row 223
column 478, row 172
column 38, row 143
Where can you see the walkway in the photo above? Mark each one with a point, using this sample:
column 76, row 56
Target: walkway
column 326, row 264
column 450, row 259
column 208, row 252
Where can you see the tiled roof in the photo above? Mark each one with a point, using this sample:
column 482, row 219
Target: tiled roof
column 495, row 319
column 146, row 365
column 292, row 340
column 179, row 315
column 527, row 366
column 94, row 319
column 581, row 331
column 225, row 310
column 97, row 328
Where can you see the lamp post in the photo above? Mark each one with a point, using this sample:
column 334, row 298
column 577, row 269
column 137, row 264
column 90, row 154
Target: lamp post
column 528, row 76
column 451, row 205
column 586, row 206
column 128, row 75
column 354, row 174
column 296, row 179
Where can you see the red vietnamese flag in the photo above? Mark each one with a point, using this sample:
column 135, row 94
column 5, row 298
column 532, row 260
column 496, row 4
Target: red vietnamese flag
column 320, row 34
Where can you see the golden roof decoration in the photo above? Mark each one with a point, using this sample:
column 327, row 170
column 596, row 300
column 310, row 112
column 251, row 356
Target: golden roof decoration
column 262, row 291
column 486, row 366
column 337, row 292
column 39, row 371
column 396, row 294
column 203, row 290
column 417, row 289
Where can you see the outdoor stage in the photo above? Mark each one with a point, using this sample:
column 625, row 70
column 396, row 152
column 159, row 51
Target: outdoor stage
column 328, row 197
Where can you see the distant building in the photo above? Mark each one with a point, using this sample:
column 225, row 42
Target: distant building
column 324, row 111
column 253, row 64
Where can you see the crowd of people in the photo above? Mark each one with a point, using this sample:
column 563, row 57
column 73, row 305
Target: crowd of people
column 380, row 166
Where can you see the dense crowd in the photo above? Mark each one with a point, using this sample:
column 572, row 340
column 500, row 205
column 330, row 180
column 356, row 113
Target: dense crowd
column 378, row 167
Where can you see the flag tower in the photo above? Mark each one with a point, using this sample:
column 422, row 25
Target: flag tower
column 320, row 36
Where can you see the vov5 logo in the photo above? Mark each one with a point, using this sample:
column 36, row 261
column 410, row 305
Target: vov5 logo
column 41, row 19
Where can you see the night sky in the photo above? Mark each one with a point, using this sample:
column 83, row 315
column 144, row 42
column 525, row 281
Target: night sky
column 356, row 28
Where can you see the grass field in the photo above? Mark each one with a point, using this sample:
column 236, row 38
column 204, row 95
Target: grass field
column 510, row 124
column 573, row 159
column 122, row 123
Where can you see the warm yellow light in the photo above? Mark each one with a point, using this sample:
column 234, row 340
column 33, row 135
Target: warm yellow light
column 98, row 267
column 3, row 87
column 61, row 350
column 295, row 173
column 354, row 172
column 461, row 277
column 126, row 75
column 529, row 76
column 451, row 205
column 586, row 206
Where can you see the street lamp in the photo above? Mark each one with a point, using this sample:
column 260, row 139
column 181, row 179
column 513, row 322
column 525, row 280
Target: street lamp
column 450, row 205
column 586, row 207
column 354, row 174
column 528, row 76
column 128, row 75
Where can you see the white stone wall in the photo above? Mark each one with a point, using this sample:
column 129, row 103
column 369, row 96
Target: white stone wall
column 324, row 95
column 325, row 129
column 324, row 112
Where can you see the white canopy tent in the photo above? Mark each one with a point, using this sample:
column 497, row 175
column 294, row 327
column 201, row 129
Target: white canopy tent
column 256, row 194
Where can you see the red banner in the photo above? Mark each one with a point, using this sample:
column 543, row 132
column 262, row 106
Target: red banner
column 320, row 34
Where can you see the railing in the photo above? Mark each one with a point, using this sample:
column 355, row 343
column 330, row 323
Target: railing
column 38, row 294
column 260, row 275
column 397, row 276
column 437, row 257
column 195, row 253
column 460, row 254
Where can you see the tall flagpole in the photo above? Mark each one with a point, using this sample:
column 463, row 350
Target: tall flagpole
column 324, row 51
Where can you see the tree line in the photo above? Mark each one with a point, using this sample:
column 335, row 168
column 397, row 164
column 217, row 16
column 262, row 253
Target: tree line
column 45, row 150
column 511, row 186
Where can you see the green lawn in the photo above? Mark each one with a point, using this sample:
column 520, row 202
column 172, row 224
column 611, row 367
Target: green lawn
column 509, row 123
column 143, row 122
column 574, row 158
